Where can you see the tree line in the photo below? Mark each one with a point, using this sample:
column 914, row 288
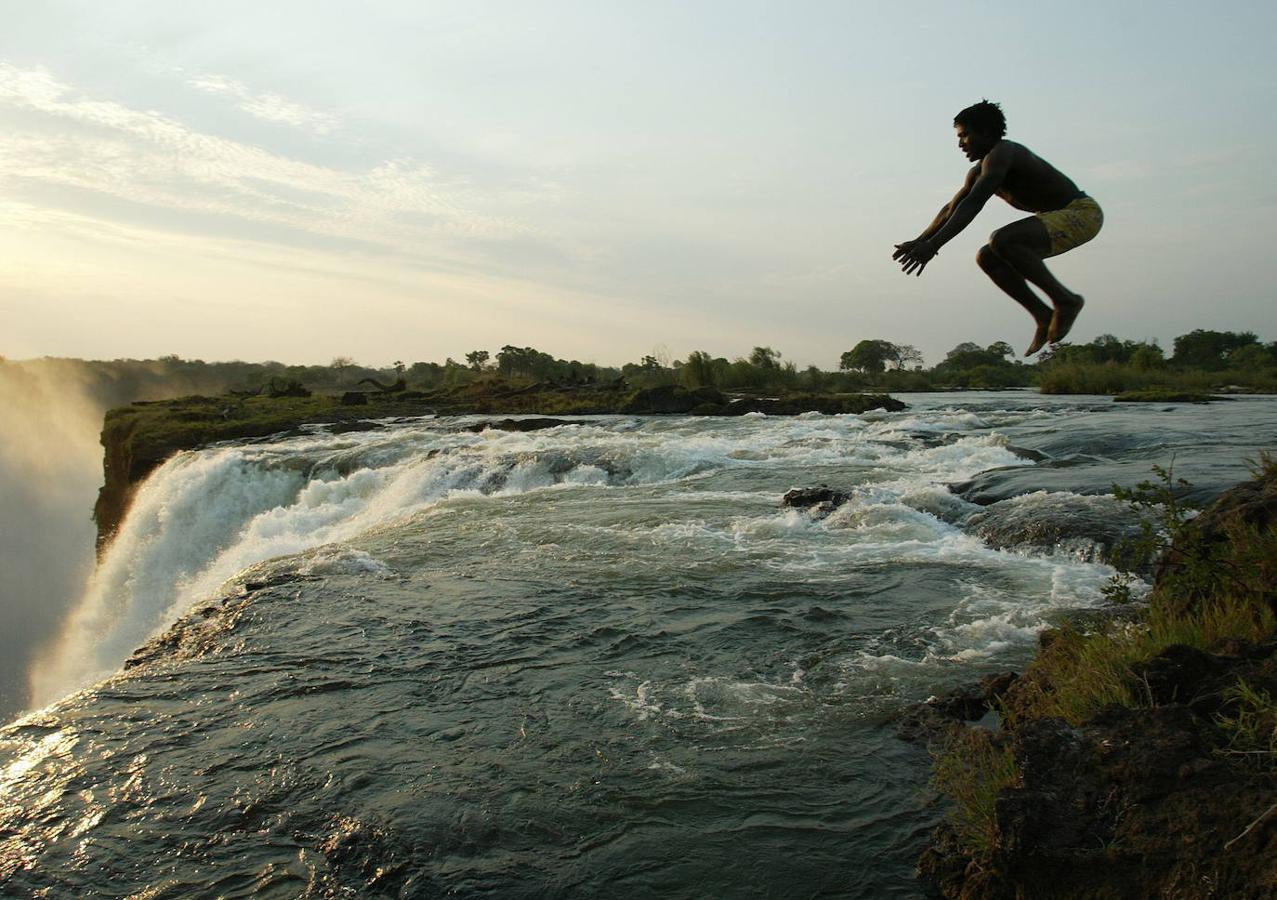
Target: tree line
column 1103, row 365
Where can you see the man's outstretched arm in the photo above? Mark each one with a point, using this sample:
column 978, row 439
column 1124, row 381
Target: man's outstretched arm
column 914, row 255
column 941, row 217
column 947, row 210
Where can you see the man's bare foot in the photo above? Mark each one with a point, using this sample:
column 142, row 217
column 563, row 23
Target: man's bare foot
column 1065, row 316
column 1039, row 337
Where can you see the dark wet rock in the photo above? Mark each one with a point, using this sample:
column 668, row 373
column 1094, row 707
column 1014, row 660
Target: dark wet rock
column 823, row 499
column 1251, row 503
column 1091, row 620
column 826, row 404
column 1088, row 528
column 531, row 424
column 1130, row 804
column 671, row 398
column 1179, row 673
column 1028, row 453
column 1086, row 475
column 936, row 715
column 707, row 401
column 347, row 427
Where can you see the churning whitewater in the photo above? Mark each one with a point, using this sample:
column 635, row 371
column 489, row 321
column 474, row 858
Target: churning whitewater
column 206, row 516
column 600, row 659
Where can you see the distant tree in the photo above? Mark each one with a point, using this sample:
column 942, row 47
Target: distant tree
column 870, row 356
column 1250, row 357
column 477, row 359
column 698, row 371
column 1203, row 349
column 964, row 347
column 523, row 361
column 398, row 366
column 907, row 355
column 340, row 365
column 968, row 356
column 765, row 358
column 1148, row 358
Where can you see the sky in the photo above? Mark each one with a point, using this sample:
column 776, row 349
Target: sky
column 603, row 180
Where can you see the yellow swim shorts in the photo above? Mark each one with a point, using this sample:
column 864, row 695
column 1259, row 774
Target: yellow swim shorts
column 1075, row 224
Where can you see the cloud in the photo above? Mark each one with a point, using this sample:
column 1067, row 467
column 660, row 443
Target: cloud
column 62, row 141
column 267, row 106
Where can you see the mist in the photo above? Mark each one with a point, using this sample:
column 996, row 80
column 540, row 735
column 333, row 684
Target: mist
column 50, row 469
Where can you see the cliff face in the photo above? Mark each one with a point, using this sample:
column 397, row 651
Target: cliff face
column 1170, row 794
column 124, row 466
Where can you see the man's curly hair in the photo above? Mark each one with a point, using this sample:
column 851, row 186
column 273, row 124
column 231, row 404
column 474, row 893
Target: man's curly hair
column 985, row 117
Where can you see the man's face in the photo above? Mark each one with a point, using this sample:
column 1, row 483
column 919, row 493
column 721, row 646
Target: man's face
column 974, row 144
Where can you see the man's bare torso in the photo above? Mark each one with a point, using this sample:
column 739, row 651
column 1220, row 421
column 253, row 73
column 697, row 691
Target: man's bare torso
column 1031, row 183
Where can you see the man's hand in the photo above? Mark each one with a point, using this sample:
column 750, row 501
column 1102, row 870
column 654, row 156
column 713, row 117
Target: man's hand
column 913, row 256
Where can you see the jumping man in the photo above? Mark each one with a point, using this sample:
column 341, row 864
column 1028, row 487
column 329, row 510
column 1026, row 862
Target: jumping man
column 1064, row 217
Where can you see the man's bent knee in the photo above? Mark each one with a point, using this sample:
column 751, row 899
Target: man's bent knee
column 1000, row 243
column 987, row 258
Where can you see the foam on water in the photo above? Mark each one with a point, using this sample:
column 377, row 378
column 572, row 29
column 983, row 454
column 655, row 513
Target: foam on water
column 204, row 517
column 344, row 561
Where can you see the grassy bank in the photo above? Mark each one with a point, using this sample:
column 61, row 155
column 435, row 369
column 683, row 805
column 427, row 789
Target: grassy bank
column 1118, row 378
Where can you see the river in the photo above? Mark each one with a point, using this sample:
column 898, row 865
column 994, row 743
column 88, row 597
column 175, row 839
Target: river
column 598, row 660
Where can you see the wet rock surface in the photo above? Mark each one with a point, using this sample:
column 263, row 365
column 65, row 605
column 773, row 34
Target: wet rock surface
column 823, row 499
column 1090, row 528
column 934, row 717
column 1083, row 474
column 531, row 424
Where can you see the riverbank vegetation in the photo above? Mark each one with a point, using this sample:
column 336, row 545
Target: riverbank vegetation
column 1202, row 362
